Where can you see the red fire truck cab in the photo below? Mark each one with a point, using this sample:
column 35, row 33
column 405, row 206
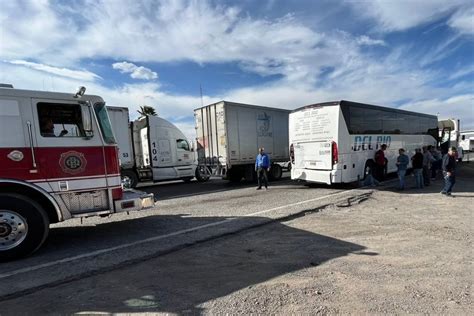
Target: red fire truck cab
column 58, row 160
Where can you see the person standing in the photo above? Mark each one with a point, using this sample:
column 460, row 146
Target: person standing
column 402, row 163
column 417, row 164
column 427, row 160
column 262, row 166
column 449, row 170
column 380, row 163
column 436, row 164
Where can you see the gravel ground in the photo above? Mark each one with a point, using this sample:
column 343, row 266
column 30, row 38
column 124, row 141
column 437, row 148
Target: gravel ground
column 408, row 252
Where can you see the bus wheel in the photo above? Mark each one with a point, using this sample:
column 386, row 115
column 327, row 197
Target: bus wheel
column 276, row 172
column 368, row 169
column 130, row 177
column 24, row 226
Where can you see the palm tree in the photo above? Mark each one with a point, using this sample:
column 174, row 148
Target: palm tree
column 147, row 110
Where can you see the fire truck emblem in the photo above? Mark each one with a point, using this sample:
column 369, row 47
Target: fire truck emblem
column 72, row 162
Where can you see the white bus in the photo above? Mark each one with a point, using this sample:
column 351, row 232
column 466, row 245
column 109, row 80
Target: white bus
column 335, row 142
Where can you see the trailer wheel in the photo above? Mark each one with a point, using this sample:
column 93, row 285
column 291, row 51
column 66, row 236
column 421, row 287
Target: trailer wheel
column 130, row 177
column 24, row 226
column 276, row 172
column 202, row 174
column 235, row 175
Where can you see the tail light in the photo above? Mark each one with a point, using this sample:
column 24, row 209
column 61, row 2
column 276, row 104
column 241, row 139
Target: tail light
column 117, row 193
column 292, row 154
column 335, row 155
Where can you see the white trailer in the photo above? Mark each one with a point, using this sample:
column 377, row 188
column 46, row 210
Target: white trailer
column 152, row 149
column 467, row 141
column 229, row 135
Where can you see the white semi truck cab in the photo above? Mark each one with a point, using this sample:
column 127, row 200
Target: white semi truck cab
column 152, row 149
column 58, row 160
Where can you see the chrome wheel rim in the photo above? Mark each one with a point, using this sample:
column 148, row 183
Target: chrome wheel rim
column 13, row 229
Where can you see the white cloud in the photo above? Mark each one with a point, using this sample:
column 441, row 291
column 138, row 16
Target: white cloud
column 463, row 21
column 154, row 32
column 315, row 66
column 365, row 40
column 459, row 107
column 464, row 71
column 82, row 75
column 404, row 14
column 136, row 72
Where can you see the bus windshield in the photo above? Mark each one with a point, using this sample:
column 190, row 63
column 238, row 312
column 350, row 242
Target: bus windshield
column 104, row 123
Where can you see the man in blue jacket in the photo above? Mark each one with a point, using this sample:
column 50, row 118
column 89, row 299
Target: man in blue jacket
column 262, row 166
column 402, row 164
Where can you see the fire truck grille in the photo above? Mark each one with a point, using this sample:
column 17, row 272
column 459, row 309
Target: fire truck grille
column 82, row 202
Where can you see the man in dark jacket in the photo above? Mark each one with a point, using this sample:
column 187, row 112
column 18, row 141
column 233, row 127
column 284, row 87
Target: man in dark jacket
column 449, row 171
column 417, row 164
column 380, row 163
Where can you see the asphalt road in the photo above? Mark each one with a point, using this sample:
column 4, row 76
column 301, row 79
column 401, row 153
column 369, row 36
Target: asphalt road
column 185, row 213
column 331, row 251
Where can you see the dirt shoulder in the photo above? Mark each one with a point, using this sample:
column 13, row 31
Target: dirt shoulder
column 408, row 252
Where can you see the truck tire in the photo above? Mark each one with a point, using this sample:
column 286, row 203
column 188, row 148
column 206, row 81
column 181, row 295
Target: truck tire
column 275, row 172
column 131, row 176
column 201, row 174
column 235, row 175
column 24, row 226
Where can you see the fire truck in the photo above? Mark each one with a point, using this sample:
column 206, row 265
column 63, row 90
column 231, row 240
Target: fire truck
column 58, row 161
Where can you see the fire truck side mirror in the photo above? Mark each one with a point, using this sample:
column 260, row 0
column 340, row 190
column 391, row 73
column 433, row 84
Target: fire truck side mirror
column 87, row 120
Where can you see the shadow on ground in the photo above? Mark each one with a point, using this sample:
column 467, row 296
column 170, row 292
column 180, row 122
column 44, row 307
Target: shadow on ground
column 179, row 282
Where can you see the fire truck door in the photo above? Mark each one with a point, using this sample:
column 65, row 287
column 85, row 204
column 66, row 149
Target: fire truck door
column 67, row 159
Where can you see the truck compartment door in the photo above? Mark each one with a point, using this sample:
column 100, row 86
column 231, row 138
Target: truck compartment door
column 313, row 155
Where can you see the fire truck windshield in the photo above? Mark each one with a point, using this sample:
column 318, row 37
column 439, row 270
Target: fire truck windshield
column 104, row 123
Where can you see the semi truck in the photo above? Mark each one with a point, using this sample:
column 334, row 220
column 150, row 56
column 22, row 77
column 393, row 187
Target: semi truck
column 58, row 161
column 450, row 136
column 228, row 136
column 152, row 149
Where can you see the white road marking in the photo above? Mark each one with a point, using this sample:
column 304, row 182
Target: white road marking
column 156, row 238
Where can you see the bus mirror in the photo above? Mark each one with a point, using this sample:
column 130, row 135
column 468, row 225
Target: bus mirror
column 87, row 120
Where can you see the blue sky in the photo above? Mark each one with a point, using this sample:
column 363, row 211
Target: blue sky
column 415, row 55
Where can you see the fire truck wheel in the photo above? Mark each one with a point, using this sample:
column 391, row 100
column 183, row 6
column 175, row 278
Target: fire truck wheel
column 131, row 177
column 24, row 226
